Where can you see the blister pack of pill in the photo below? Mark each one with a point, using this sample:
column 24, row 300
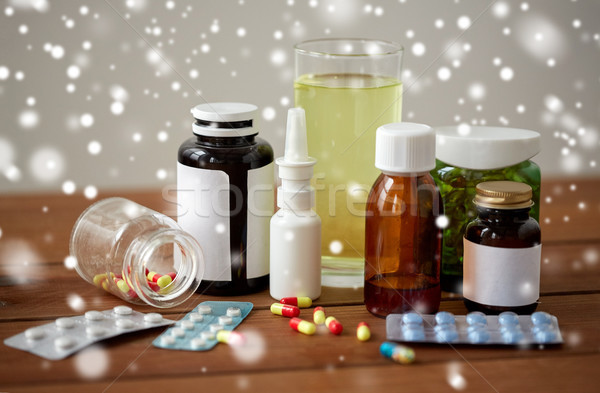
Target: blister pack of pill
column 474, row 328
column 65, row 336
column 200, row 328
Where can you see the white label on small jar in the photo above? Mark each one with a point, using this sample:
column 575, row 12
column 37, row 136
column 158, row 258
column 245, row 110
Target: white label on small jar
column 260, row 210
column 203, row 211
column 506, row 277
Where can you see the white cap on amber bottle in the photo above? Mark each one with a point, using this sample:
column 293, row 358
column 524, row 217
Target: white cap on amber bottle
column 405, row 148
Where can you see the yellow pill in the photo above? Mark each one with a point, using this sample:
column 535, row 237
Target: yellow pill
column 229, row 337
column 363, row 332
column 163, row 281
column 151, row 275
column 123, row 287
column 105, row 286
column 319, row 315
column 303, row 326
column 99, row 279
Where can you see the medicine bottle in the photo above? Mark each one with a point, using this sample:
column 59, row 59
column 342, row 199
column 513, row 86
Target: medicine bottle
column 502, row 251
column 402, row 241
column 225, row 196
column 467, row 155
column 125, row 248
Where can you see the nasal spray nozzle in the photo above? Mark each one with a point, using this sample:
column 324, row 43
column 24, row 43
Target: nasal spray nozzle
column 296, row 167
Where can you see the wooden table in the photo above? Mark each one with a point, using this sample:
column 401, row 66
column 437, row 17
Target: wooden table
column 36, row 288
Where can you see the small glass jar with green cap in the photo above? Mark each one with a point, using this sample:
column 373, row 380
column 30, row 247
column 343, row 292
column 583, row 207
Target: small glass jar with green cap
column 502, row 251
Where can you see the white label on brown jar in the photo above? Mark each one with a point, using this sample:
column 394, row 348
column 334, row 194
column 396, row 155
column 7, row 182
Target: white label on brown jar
column 506, row 277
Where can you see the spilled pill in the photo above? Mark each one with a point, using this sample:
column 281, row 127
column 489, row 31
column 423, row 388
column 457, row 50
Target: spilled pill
column 363, row 332
column 303, row 326
column 230, row 337
column 301, row 301
column 319, row 315
column 334, row 325
column 285, row 310
column 396, row 352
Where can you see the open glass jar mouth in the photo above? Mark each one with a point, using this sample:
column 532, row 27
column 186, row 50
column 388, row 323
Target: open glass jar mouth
column 348, row 47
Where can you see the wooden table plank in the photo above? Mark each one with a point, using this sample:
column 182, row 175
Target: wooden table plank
column 551, row 374
column 273, row 346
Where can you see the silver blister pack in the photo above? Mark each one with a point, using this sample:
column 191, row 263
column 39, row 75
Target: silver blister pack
column 65, row 336
column 507, row 328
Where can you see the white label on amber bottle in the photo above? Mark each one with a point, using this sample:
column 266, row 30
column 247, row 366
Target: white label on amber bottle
column 203, row 211
column 506, row 277
column 260, row 211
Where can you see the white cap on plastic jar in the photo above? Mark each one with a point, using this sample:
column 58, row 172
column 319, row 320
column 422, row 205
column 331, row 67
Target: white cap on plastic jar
column 405, row 148
column 484, row 148
column 221, row 115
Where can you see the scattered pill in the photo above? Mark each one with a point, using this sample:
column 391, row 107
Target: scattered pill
column 203, row 309
column 164, row 281
column 285, row 310
column 412, row 317
column 476, row 317
column 198, row 342
column 196, row 317
column 301, row 301
column 187, row 325
column 207, row 335
column 303, row 326
column 215, row 327
column 35, row 333
column 234, row 312
column 153, row 317
column 65, row 323
column 334, row 325
column 319, row 315
column 225, row 320
column 508, row 318
column 95, row 331
column 123, row 310
column 178, row 332
column 64, row 342
column 363, row 332
column 444, row 317
column 229, row 337
column 398, row 353
column 167, row 340
column 541, row 318
column 94, row 316
column 124, row 323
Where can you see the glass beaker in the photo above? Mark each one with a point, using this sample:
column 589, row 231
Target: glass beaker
column 135, row 253
column 348, row 88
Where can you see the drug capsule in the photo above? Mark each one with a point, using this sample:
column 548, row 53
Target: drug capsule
column 229, row 337
column 285, row 310
column 163, row 281
column 301, row 301
column 303, row 326
column 153, row 276
column 396, row 352
column 319, row 315
column 334, row 325
column 363, row 332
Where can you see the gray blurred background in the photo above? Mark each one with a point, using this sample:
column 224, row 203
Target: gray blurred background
column 95, row 95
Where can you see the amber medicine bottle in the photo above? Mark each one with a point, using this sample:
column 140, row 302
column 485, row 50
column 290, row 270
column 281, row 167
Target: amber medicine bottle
column 402, row 241
column 225, row 196
column 502, row 251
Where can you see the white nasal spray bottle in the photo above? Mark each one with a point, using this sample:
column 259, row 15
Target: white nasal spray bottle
column 295, row 228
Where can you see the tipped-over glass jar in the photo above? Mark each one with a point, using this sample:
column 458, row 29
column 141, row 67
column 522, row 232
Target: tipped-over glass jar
column 135, row 253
